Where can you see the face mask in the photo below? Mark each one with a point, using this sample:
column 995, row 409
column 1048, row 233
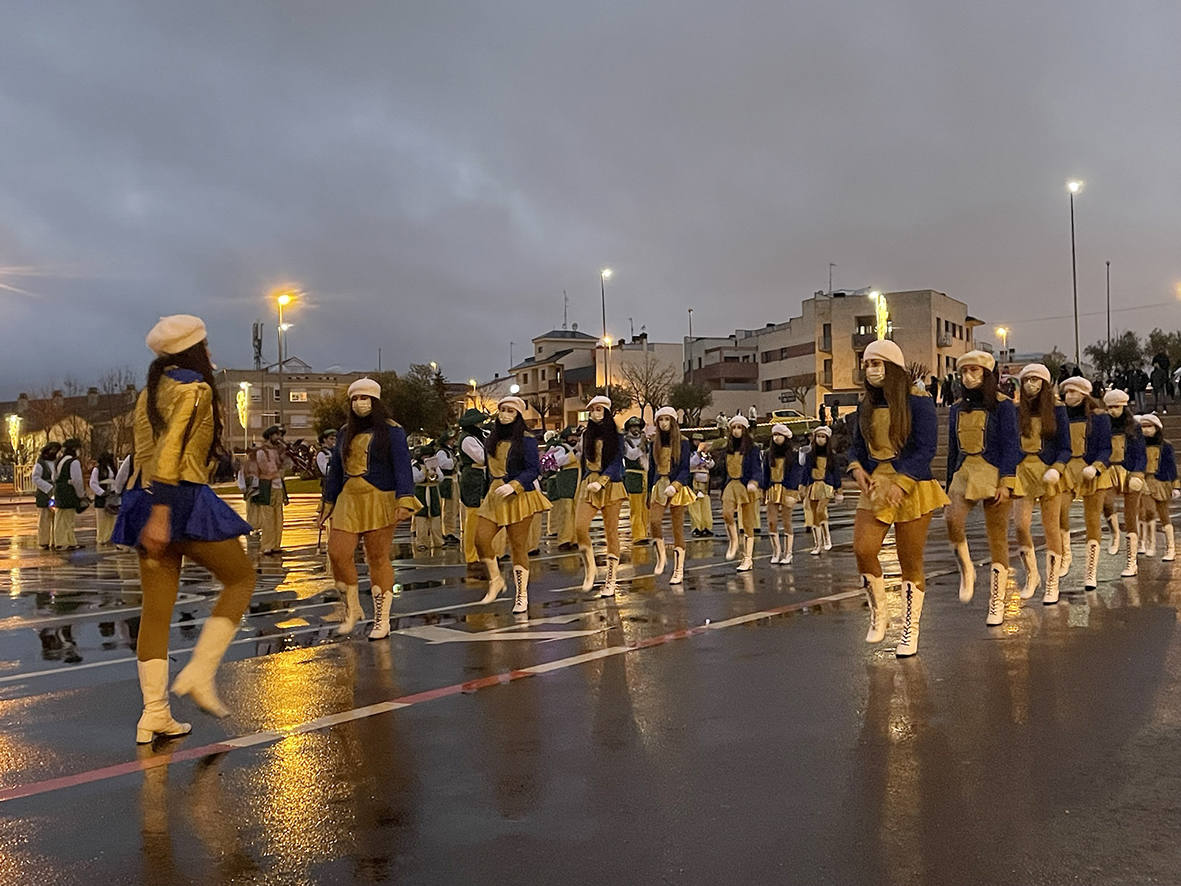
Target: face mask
column 778, row 439
column 1073, row 398
column 506, row 416
column 362, row 407
column 596, row 414
column 736, row 433
column 972, row 380
column 665, row 424
column 876, row 375
column 1032, row 386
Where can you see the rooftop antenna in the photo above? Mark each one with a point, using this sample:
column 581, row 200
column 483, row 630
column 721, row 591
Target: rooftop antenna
column 565, row 309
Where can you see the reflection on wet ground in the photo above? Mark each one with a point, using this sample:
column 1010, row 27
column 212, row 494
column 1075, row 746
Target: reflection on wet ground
column 733, row 729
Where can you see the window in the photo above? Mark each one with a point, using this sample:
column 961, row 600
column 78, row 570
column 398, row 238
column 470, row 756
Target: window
column 255, row 421
column 298, row 396
column 828, row 373
column 826, row 338
column 543, row 375
column 864, row 325
column 275, row 393
column 255, row 394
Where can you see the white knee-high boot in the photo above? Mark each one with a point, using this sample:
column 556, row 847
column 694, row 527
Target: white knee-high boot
column 589, row 568
column 788, row 540
column 156, row 718
column 495, row 580
column 1151, row 551
column 875, row 592
column 748, row 549
column 998, row 584
column 1170, row 544
column 382, row 603
column 1091, row 578
column 1113, row 522
column 352, row 607
column 776, row 547
column 196, row 679
column 732, row 535
column 1053, row 576
column 678, row 576
column 1132, row 567
column 609, row 586
column 912, row 613
column 661, row 556
column 817, row 540
column 521, row 587
column 825, row 536
column 963, row 559
column 1032, row 579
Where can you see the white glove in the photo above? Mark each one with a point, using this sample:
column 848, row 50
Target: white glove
column 505, row 491
column 752, row 486
column 669, row 492
column 1051, row 476
column 1135, row 484
column 840, row 497
column 1177, row 493
column 1089, row 472
column 594, row 486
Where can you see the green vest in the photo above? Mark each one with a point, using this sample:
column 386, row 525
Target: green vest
column 64, row 493
column 635, row 477
column 565, row 481
column 42, row 498
column 473, row 484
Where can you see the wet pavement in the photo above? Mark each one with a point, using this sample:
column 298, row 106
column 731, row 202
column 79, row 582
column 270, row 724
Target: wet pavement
column 735, row 730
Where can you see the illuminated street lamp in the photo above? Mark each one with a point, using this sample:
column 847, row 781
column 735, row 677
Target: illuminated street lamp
column 282, row 299
column 475, row 402
column 604, row 276
column 243, row 402
column 1073, row 187
column 1004, row 334
column 607, row 369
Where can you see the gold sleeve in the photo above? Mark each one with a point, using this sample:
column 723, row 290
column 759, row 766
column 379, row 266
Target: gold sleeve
column 183, row 413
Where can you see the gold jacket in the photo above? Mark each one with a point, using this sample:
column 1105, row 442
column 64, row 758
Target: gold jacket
column 181, row 453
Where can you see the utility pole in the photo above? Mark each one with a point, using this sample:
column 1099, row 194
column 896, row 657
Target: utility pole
column 1109, row 311
column 565, row 309
column 831, row 265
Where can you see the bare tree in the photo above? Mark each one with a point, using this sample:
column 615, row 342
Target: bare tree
column 648, row 383
column 798, row 386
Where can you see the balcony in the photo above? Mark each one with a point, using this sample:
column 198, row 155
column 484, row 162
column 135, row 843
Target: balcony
column 862, row 339
column 944, row 340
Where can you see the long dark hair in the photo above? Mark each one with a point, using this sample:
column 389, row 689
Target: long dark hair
column 607, row 432
column 376, row 421
column 514, row 431
column 744, row 444
column 1130, row 427
column 1043, row 404
column 671, row 439
column 107, row 460
column 776, row 451
column 895, row 390
column 50, row 450
column 987, row 389
column 195, row 358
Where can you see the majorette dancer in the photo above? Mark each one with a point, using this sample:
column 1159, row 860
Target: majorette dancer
column 982, row 454
column 169, row 512
column 1160, row 484
column 894, row 441
column 512, row 499
column 600, row 491
column 1086, row 472
column 821, row 484
column 1128, row 460
column 783, row 479
column 668, row 480
column 742, row 492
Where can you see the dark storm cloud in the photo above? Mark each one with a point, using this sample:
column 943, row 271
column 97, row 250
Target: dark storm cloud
column 435, row 174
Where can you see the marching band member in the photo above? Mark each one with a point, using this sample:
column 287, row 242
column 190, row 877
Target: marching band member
column 449, row 489
column 982, row 454
column 473, row 484
column 600, row 491
column 44, row 477
column 635, row 477
column 428, row 522
column 1160, row 484
column 106, row 497
column 668, row 480
column 783, row 475
column 1045, row 449
column 512, row 500
column 273, row 462
column 894, row 441
column 1086, row 472
column 1128, row 460
column 742, row 492
column 369, row 490
column 69, row 496
column 701, row 463
column 822, row 484
column 565, row 487
column 169, row 512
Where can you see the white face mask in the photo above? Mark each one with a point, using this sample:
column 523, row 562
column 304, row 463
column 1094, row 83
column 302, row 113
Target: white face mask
column 1148, row 430
column 507, row 415
column 1032, row 386
column 664, row 423
column 362, row 406
column 972, row 377
column 596, row 413
column 778, row 439
column 736, row 432
column 1073, row 398
column 876, row 375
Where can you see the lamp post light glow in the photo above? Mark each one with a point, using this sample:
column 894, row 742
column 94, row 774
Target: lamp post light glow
column 607, row 367
column 243, row 401
column 514, row 389
column 1004, row 334
column 1074, row 186
column 282, row 300
column 604, row 276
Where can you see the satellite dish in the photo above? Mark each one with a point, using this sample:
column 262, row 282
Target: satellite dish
column 574, row 326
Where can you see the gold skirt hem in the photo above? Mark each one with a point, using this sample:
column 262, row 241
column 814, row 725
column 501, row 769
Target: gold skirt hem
column 927, row 496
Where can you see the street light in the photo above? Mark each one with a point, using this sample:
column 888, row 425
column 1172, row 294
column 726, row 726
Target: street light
column 690, row 346
column 1074, row 186
column 607, row 368
column 1004, row 334
column 604, row 276
column 244, row 410
column 282, row 299
column 514, row 389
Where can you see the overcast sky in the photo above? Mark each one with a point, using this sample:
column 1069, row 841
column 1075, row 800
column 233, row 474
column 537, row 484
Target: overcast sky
column 434, row 174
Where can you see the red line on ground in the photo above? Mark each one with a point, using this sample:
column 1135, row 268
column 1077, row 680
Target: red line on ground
column 103, row 773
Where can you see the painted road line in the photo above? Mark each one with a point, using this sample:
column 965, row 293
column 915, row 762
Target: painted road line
column 104, row 773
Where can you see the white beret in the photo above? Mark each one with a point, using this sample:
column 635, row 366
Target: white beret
column 600, row 400
column 823, row 429
column 1115, row 397
column 884, row 349
column 781, row 429
column 176, row 333
column 1076, row 383
column 365, row 387
column 739, row 420
column 1150, row 419
column 666, row 411
column 516, row 402
column 977, row 358
column 1035, row 370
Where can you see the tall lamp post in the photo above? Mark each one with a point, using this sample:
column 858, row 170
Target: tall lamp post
column 1109, row 310
column 607, row 366
column 1074, row 186
column 604, row 276
column 1004, row 334
column 283, row 299
column 690, row 348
